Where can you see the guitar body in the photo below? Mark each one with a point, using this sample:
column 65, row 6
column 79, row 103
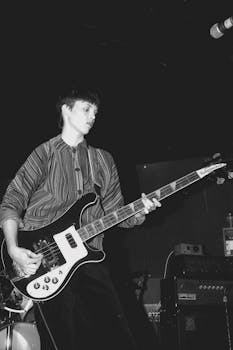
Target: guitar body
column 63, row 253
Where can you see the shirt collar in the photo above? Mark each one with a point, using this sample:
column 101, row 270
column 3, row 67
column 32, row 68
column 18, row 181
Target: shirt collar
column 81, row 145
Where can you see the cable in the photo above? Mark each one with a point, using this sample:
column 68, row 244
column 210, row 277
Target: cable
column 166, row 264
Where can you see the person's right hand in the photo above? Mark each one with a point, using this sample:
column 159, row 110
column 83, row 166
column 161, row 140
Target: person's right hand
column 25, row 260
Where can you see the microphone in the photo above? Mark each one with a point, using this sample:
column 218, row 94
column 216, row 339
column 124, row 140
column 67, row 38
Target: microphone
column 218, row 29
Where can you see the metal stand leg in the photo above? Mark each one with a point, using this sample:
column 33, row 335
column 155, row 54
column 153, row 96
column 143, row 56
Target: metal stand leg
column 9, row 333
column 225, row 300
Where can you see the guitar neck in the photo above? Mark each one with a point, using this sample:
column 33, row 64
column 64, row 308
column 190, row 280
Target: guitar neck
column 100, row 225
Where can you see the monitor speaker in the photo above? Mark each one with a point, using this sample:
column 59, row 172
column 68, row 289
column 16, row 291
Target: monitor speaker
column 193, row 327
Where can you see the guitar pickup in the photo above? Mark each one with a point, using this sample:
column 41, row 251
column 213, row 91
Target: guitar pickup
column 71, row 240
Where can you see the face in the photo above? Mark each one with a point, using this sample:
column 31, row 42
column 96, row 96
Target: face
column 80, row 117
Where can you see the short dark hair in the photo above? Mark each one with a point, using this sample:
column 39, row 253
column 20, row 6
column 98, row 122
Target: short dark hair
column 70, row 97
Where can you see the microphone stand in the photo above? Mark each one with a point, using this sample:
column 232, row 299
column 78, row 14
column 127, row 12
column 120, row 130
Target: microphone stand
column 225, row 301
column 9, row 333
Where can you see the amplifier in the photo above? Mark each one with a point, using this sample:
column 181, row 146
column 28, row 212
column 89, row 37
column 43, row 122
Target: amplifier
column 175, row 292
column 189, row 249
column 196, row 328
column 201, row 267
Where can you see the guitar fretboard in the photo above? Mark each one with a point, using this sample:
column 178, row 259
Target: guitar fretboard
column 100, row 225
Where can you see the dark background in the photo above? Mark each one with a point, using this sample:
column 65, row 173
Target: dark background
column 166, row 91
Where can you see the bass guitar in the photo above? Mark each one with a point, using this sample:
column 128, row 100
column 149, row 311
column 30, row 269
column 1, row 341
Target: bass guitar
column 64, row 242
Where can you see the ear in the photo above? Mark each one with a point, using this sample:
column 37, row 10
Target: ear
column 65, row 109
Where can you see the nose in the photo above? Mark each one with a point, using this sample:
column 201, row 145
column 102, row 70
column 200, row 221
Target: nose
column 92, row 116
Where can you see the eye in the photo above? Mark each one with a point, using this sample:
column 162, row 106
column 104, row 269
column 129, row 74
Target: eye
column 86, row 109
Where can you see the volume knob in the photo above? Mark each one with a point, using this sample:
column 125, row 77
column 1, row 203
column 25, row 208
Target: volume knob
column 36, row 285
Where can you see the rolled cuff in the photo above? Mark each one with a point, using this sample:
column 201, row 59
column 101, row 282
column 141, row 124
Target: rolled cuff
column 10, row 214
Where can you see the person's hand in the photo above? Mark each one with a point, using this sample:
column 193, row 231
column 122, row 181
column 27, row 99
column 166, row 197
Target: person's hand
column 25, row 261
column 149, row 205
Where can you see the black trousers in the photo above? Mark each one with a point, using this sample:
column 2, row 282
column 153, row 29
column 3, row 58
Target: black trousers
column 86, row 313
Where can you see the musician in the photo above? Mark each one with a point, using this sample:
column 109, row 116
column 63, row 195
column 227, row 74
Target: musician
column 57, row 174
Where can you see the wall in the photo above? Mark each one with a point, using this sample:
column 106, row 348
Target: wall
column 194, row 215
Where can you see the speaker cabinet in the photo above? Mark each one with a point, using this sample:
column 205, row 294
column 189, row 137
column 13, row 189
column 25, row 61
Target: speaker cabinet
column 196, row 328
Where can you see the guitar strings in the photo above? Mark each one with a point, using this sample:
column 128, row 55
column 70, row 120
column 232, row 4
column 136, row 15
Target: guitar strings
column 110, row 219
column 52, row 248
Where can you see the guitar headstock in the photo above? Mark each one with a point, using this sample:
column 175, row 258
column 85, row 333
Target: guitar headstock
column 225, row 173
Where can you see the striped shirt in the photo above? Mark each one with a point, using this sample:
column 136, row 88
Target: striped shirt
column 54, row 177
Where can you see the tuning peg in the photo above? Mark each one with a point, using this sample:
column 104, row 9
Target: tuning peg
column 215, row 158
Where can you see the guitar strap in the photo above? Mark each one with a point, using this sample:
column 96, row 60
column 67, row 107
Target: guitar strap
column 95, row 182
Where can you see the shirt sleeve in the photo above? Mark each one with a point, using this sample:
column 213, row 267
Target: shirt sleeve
column 20, row 189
